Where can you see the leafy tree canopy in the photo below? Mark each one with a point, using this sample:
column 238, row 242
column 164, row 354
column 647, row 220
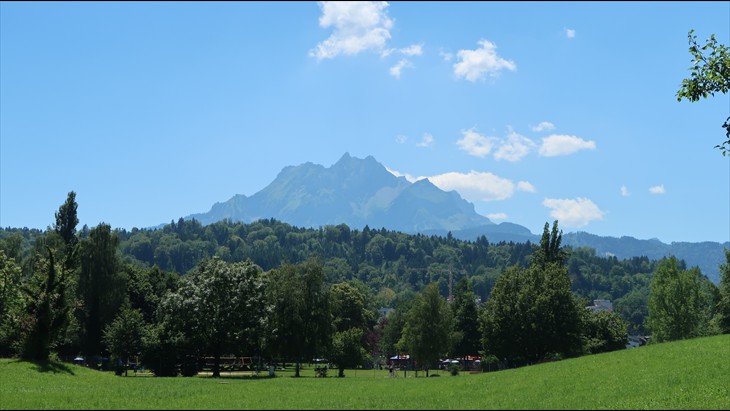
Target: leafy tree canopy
column 710, row 75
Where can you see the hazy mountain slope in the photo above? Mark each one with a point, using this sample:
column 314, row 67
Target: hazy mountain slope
column 360, row 192
column 353, row 191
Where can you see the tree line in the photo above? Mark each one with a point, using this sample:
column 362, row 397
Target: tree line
column 184, row 292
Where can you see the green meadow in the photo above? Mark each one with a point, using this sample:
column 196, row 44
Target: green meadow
column 689, row 374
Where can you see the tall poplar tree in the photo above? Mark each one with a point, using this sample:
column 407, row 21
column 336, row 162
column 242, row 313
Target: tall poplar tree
column 466, row 323
column 101, row 286
column 67, row 220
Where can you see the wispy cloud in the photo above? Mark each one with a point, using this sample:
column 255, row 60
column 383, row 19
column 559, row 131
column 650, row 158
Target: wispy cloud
column 497, row 216
column 474, row 65
column 544, row 126
column 401, row 139
column 446, row 55
column 357, row 26
column 395, row 70
column 569, row 33
column 412, row 50
column 426, row 141
column 576, row 212
column 478, row 186
column 657, row 189
column 514, row 148
column 561, row 145
column 625, row 191
column 475, row 143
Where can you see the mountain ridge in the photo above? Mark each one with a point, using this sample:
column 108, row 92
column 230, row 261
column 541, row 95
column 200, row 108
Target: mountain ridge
column 362, row 192
column 353, row 191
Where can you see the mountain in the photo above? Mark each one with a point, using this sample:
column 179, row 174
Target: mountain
column 353, row 191
column 360, row 192
column 707, row 255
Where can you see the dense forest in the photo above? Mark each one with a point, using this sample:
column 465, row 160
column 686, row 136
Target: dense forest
column 388, row 262
column 175, row 297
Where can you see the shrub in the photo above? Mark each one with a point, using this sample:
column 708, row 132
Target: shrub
column 321, row 371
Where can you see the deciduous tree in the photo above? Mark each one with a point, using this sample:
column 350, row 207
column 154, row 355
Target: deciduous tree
column 124, row 335
column 603, row 331
column 710, row 75
column 47, row 313
column 11, row 303
column 676, row 306
column 723, row 306
column 429, row 328
column 532, row 313
column 300, row 321
column 222, row 308
column 347, row 349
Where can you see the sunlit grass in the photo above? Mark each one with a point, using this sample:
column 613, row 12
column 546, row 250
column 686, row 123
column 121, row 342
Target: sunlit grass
column 691, row 374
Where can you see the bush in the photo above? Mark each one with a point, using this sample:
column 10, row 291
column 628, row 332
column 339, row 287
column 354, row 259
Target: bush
column 454, row 369
column 321, row 371
column 490, row 363
column 189, row 366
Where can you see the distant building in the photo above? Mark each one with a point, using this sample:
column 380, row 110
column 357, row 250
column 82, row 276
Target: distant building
column 601, row 305
column 636, row 341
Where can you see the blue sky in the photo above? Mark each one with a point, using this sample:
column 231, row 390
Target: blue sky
column 531, row 110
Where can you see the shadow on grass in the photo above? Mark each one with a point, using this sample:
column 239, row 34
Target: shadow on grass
column 52, row 366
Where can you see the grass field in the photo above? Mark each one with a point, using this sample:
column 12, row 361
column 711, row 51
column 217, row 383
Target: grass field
column 690, row 374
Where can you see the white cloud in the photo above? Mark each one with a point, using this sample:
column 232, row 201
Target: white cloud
column 475, row 143
column 657, row 189
column 473, row 186
column 573, row 212
column 569, row 33
column 561, row 145
column 407, row 176
column 544, row 126
column 475, row 64
column 412, row 50
column 446, row 56
column 526, row 186
column 395, row 70
column 514, row 148
column 400, row 139
column 426, row 141
column 497, row 216
column 357, row 26
column 476, row 186
column 625, row 191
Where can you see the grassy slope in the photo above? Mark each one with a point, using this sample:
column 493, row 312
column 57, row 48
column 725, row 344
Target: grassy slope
column 691, row 374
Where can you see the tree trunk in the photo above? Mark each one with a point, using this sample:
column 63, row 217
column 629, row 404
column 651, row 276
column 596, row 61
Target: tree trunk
column 342, row 372
column 296, row 369
column 217, row 363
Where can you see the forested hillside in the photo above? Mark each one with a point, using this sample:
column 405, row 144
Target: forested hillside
column 390, row 263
